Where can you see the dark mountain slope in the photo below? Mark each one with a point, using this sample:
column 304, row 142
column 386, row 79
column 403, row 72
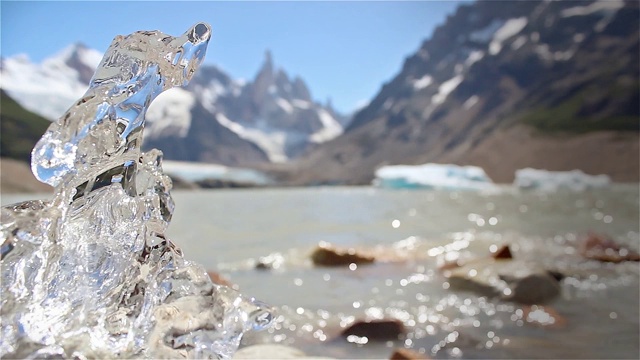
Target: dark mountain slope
column 19, row 129
column 503, row 85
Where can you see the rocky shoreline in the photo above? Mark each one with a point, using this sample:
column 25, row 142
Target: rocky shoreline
column 501, row 275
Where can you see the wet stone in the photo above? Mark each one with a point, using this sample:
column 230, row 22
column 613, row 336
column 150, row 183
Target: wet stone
column 604, row 249
column 376, row 330
column 504, row 252
column 510, row 280
column 407, row 354
column 329, row 255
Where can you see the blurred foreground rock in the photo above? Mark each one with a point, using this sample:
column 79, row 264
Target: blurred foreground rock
column 510, row 280
column 407, row 354
column 504, row 252
column 602, row 248
column 516, row 281
column 376, row 330
column 328, row 255
column 503, row 277
column 272, row 351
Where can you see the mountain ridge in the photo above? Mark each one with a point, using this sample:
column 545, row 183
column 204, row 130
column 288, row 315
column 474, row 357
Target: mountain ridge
column 269, row 119
column 495, row 85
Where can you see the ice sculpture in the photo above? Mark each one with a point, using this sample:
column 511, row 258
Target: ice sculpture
column 90, row 273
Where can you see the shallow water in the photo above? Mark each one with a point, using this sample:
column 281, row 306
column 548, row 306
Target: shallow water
column 228, row 230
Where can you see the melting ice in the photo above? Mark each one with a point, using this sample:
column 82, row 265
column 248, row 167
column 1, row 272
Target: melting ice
column 90, row 272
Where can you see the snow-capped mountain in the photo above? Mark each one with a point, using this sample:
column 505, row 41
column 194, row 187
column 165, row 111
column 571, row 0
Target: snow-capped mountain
column 504, row 85
column 215, row 119
column 49, row 88
column 273, row 111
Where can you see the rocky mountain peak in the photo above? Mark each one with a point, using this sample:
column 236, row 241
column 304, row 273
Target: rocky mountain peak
column 300, row 89
column 83, row 59
column 268, row 61
column 263, row 80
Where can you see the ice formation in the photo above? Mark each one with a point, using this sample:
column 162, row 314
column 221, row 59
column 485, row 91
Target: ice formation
column 433, row 176
column 90, row 272
column 574, row 180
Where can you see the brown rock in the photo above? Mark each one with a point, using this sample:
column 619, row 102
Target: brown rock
column 502, row 253
column 407, row 354
column 535, row 288
column 380, row 330
column 601, row 248
column 328, row 255
column 218, row 279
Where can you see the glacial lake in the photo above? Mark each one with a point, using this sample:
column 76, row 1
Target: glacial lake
column 228, row 231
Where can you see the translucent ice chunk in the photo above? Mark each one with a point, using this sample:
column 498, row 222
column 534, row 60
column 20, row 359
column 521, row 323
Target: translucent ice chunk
column 105, row 125
column 90, row 273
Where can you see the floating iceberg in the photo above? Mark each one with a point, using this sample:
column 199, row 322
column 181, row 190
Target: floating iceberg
column 433, row 176
column 544, row 180
column 192, row 171
column 90, row 273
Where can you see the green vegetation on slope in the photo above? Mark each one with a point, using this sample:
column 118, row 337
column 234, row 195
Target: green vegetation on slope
column 567, row 117
column 20, row 129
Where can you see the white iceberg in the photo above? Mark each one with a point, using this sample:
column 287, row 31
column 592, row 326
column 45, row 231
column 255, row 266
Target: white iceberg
column 433, row 176
column 193, row 171
column 545, row 180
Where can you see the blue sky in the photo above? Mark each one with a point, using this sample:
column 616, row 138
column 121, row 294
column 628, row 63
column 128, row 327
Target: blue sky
column 343, row 50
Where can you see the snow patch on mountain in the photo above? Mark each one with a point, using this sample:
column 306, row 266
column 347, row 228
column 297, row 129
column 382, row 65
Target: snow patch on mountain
column 272, row 143
column 301, row 104
column 474, row 56
column 485, row 34
column 284, row 105
column 468, row 104
column 446, row 88
column 212, row 91
column 423, row 82
column 170, row 114
column 92, row 58
column 607, row 7
column 331, row 128
column 50, row 88
column 510, row 28
column 518, row 42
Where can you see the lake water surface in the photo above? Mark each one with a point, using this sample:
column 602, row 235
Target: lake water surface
column 229, row 230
